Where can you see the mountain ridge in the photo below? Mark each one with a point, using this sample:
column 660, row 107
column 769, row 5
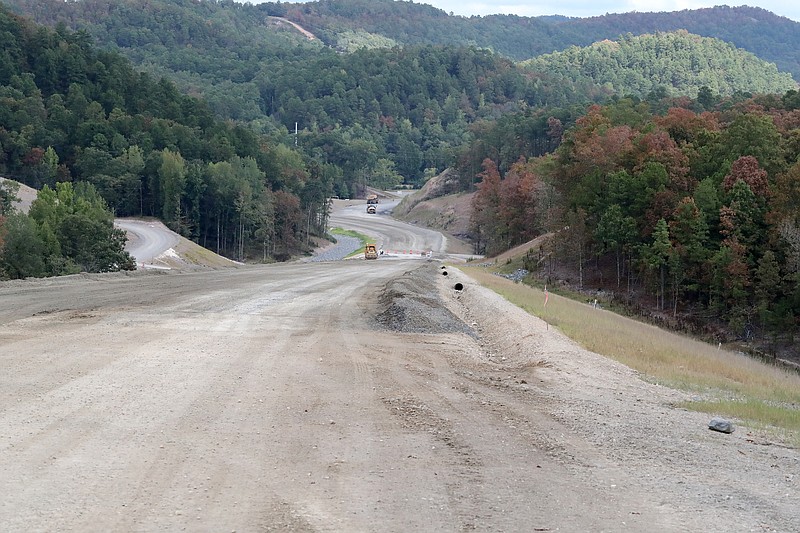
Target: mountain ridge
column 769, row 36
column 521, row 38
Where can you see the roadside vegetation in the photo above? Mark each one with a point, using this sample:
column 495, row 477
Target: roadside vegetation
column 722, row 382
column 68, row 229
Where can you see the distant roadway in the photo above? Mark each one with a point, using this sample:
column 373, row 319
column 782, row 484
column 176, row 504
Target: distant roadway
column 147, row 239
column 393, row 236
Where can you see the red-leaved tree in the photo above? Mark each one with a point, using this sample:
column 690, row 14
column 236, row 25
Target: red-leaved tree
column 747, row 169
column 519, row 194
column 487, row 227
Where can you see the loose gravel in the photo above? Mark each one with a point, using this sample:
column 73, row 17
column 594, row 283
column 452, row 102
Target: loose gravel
column 412, row 304
column 344, row 246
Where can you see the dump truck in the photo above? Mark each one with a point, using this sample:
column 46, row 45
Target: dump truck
column 372, row 199
column 371, row 209
column 370, row 251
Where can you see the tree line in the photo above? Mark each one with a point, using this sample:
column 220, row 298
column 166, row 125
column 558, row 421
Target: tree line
column 771, row 37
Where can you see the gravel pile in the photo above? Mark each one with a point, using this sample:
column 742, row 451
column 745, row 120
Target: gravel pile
column 517, row 276
column 411, row 304
column 344, row 246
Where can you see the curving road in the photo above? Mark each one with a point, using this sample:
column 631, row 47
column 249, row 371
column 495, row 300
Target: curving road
column 396, row 238
column 147, row 239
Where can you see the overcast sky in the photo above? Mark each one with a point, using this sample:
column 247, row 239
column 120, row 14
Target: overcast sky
column 591, row 8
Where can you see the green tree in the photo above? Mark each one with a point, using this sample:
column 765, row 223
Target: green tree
column 23, row 252
column 8, row 196
column 574, row 239
column 384, row 175
column 78, row 229
column 767, row 288
column 194, row 192
column 657, row 257
column 753, row 135
column 705, row 98
column 616, row 232
column 706, row 198
column 264, row 230
column 130, row 168
column 172, row 179
column 689, row 236
column 743, row 220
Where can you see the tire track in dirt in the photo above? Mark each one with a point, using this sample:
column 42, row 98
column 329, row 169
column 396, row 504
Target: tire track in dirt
column 493, row 385
column 147, row 390
column 275, row 376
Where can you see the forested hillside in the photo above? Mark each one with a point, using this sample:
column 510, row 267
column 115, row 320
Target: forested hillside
column 380, row 115
column 670, row 64
column 688, row 215
column 136, row 145
column 770, row 37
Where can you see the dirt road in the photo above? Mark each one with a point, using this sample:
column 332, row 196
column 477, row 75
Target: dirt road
column 395, row 237
column 147, row 239
column 327, row 397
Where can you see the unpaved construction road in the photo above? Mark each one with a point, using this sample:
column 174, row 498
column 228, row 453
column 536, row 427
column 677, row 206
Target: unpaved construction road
column 348, row 396
column 397, row 238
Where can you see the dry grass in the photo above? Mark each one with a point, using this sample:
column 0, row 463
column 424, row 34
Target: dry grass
column 194, row 254
column 727, row 383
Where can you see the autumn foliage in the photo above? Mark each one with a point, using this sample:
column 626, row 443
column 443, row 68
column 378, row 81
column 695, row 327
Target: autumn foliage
column 505, row 212
column 688, row 211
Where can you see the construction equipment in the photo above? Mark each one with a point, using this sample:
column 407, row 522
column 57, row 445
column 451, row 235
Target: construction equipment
column 370, row 251
column 372, row 199
column 371, row 209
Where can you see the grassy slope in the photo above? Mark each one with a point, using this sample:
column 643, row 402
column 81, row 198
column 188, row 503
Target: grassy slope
column 725, row 383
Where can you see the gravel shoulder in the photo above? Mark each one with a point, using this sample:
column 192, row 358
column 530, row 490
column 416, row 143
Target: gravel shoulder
column 337, row 251
column 652, row 466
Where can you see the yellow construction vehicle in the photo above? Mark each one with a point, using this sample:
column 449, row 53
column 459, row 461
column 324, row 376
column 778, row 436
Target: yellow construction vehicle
column 370, row 252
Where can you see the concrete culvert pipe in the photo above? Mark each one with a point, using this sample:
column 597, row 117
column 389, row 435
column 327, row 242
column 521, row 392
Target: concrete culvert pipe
column 443, row 267
column 458, row 286
column 444, row 272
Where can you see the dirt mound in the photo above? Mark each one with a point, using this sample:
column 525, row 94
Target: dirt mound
column 412, row 304
column 523, row 248
column 192, row 254
column 439, row 205
column 444, row 184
